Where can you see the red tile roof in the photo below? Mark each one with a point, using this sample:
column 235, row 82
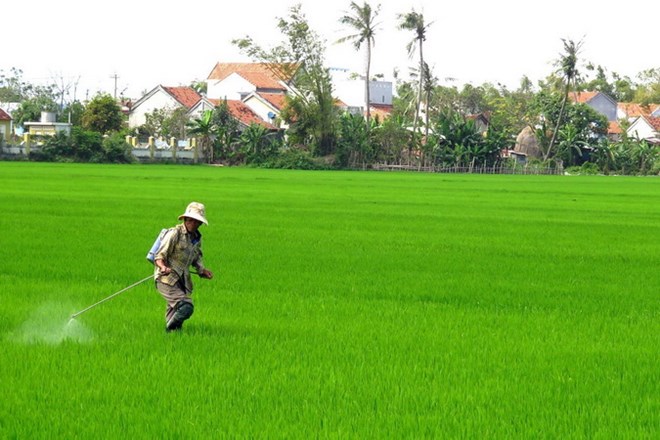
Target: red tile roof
column 261, row 80
column 277, row 100
column 261, row 75
column 614, row 128
column 655, row 123
column 4, row 116
column 243, row 113
column 186, row 96
column 633, row 110
column 582, row 97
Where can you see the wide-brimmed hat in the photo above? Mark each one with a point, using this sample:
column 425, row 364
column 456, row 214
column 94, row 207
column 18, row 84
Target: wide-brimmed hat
column 197, row 211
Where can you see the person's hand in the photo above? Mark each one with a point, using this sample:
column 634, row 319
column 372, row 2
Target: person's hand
column 164, row 270
column 206, row 274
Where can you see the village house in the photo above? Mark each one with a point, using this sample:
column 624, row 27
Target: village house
column 162, row 97
column 629, row 111
column 238, row 109
column 349, row 89
column 645, row 128
column 261, row 88
column 5, row 127
column 47, row 126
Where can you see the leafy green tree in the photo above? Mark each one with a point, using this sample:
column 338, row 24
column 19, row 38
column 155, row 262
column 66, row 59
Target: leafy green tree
column 103, row 115
column 175, row 124
column 227, row 132
column 31, row 108
column 153, row 122
column 619, row 88
column 88, row 145
column 363, row 23
column 116, row 150
column 12, row 86
column 648, row 91
column 310, row 112
column 600, row 83
column 166, row 123
column 390, row 139
column 72, row 113
column 624, row 88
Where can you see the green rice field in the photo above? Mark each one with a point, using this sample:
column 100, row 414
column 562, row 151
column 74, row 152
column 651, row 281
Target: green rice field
column 361, row 305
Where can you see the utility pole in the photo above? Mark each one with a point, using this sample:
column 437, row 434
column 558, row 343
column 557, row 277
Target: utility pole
column 116, row 77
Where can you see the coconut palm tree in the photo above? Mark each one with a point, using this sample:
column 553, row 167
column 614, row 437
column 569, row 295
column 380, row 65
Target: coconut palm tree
column 363, row 23
column 569, row 73
column 414, row 21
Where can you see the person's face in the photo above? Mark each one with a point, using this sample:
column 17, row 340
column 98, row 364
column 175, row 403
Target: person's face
column 191, row 224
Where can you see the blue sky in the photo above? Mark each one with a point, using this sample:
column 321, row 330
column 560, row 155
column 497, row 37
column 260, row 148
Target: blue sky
column 173, row 43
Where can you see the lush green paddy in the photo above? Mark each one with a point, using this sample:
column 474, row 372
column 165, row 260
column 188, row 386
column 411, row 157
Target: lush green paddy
column 345, row 305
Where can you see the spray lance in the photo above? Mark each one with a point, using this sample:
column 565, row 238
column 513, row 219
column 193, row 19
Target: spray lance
column 75, row 315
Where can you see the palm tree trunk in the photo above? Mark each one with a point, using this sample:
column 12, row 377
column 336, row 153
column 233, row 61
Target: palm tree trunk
column 553, row 139
column 367, row 96
column 427, row 98
column 419, row 89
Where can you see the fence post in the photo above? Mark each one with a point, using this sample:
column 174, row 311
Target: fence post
column 195, row 150
column 26, row 138
column 152, row 147
column 173, row 144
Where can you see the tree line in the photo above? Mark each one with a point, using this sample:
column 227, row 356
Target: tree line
column 430, row 124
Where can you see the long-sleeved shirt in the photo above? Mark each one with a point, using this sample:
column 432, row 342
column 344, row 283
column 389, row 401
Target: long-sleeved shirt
column 180, row 249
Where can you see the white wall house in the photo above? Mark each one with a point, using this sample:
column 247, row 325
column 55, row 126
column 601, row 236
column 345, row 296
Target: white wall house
column 645, row 127
column 233, row 87
column 162, row 97
column 261, row 87
column 238, row 109
column 349, row 88
column 6, row 126
column 267, row 106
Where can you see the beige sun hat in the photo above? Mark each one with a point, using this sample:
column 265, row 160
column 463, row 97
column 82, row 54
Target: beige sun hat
column 195, row 210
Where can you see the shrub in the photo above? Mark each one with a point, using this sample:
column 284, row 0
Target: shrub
column 295, row 158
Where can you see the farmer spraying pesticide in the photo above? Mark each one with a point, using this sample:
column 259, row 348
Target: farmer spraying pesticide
column 180, row 248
